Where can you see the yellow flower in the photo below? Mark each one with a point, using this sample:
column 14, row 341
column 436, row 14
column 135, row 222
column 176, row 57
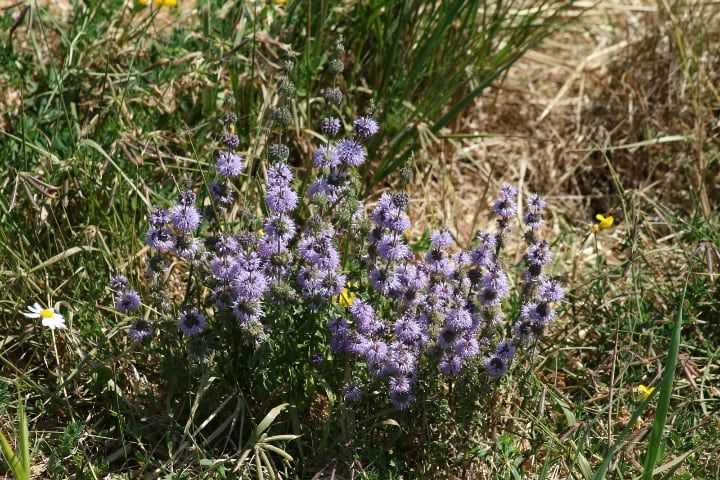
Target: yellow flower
column 605, row 222
column 279, row 2
column 645, row 391
column 347, row 296
column 160, row 3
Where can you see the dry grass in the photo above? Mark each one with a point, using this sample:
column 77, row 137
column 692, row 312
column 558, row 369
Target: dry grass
column 626, row 85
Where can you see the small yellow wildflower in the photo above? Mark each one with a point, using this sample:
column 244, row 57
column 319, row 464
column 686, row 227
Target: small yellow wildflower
column 605, row 222
column 347, row 296
column 645, row 391
column 160, row 3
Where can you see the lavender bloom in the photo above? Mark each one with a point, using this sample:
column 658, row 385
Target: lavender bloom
column 384, row 280
column 495, row 286
column 278, row 152
column 551, row 291
column 158, row 217
column 323, row 158
column 458, row 319
column 402, row 400
column 230, row 140
column 319, row 251
column 248, row 311
column 505, row 206
column 366, row 321
column 281, row 199
column 441, row 239
column 408, row 330
column 191, row 323
column 279, row 175
column 249, row 284
column 160, row 238
column 400, row 359
column 351, row 392
column 330, row 126
column 375, row 351
column 537, row 312
column 505, row 349
column 185, row 218
column 221, row 192
column 393, row 248
column 496, row 366
column 399, row 384
column 467, row 347
column 533, row 216
column 349, row 152
column 450, row 364
column 140, row 329
column 280, row 227
column 186, row 246
column 127, row 301
column 188, row 197
column 227, row 245
column 118, row 282
column 316, row 359
column 366, row 127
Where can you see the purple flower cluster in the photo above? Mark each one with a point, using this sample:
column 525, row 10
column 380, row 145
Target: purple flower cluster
column 128, row 300
column 447, row 305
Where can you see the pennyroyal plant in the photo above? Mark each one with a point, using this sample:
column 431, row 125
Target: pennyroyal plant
column 264, row 266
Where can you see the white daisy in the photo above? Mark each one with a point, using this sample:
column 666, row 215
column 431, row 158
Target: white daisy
column 49, row 318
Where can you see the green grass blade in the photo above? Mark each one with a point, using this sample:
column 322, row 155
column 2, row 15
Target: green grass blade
column 666, row 388
column 12, row 460
column 24, row 438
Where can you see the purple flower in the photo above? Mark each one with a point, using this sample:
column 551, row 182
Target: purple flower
column 375, row 351
column 281, row 199
column 458, row 319
column 441, row 239
column 127, row 301
column 186, row 246
column 160, row 238
column 191, row 322
column 393, row 248
column 118, row 282
column 450, row 364
column 330, row 126
column 229, row 164
column 366, row 127
column 399, row 383
column 279, row 175
column 223, row 267
column 537, row 312
column 230, row 140
column 248, row 311
column 280, row 227
column 351, row 392
column 322, row 157
column 538, row 254
column 185, row 218
column 158, row 217
column 551, row 291
column 384, row 280
column 349, row 152
column 140, row 329
column 402, row 400
column 467, row 346
column 249, row 284
column 505, row 206
column 227, row 245
column 533, row 216
column 407, row 329
column 505, row 349
column 316, row 359
column 221, row 192
column 187, row 197
column 496, row 366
